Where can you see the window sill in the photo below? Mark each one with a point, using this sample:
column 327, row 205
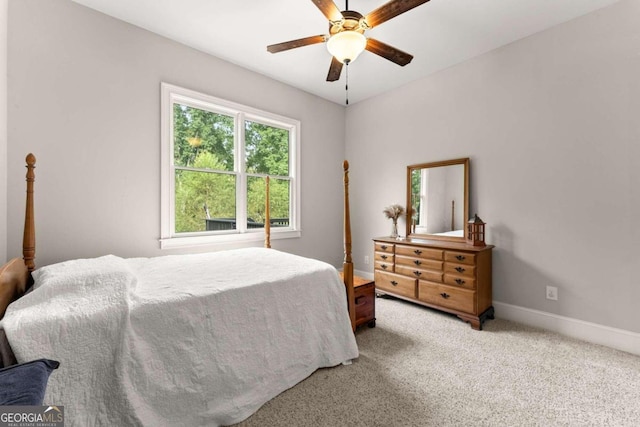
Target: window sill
column 224, row 239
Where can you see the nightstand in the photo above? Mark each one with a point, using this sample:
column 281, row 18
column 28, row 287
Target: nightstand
column 365, row 298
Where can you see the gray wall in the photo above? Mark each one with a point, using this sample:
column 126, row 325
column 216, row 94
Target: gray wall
column 84, row 97
column 551, row 125
column 3, row 129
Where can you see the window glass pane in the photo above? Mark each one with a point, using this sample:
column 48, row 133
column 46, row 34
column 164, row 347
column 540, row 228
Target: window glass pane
column 197, row 132
column 279, row 197
column 205, row 201
column 214, row 170
column 416, row 196
column 266, row 149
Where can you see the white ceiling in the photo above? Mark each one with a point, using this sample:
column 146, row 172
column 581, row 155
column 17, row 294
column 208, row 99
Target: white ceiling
column 438, row 34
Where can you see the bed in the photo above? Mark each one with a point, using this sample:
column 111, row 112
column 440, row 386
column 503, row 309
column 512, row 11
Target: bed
column 453, row 232
column 178, row 339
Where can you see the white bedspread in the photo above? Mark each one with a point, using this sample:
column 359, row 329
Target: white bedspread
column 189, row 340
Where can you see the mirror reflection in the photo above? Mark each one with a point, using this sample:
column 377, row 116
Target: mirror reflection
column 438, row 199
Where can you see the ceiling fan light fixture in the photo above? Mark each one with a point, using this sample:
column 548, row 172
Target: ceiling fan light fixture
column 346, row 45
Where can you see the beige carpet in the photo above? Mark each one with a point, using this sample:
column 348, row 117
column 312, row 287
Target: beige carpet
column 419, row 367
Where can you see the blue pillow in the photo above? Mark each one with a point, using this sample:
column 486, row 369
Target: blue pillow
column 25, row 384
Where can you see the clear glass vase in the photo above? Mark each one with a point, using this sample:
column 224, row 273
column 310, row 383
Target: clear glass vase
column 394, row 230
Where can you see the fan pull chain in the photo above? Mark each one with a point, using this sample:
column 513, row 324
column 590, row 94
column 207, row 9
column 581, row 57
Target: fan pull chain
column 346, row 85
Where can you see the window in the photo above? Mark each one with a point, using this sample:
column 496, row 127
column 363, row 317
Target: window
column 215, row 156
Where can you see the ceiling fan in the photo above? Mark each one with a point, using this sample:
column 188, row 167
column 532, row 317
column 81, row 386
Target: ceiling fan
column 346, row 38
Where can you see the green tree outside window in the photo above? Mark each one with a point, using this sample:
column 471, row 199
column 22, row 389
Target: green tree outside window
column 206, row 175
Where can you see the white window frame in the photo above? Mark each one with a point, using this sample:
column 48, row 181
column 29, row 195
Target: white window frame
column 171, row 94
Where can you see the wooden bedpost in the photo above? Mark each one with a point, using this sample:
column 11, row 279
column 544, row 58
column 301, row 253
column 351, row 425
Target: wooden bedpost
column 15, row 275
column 29, row 237
column 453, row 215
column 347, row 267
column 267, row 215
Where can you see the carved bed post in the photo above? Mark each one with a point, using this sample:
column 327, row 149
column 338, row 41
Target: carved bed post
column 267, row 215
column 347, row 267
column 29, row 237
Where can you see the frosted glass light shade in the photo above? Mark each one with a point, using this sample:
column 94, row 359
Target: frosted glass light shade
column 346, row 45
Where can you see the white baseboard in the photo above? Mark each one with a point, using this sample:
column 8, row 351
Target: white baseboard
column 365, row 274
column 619, row 339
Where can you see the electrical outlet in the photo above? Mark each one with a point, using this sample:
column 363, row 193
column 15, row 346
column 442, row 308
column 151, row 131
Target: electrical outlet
column 552, row 293
column 366, row 260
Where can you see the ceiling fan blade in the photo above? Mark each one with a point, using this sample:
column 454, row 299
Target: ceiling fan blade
column 390, row 10
column 292, row 44
column 328, row 9
column 334, row 70
column 388, row 52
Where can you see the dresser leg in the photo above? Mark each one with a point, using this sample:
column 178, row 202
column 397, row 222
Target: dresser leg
column 489, row 313
column 477, row 322
column 472, row 320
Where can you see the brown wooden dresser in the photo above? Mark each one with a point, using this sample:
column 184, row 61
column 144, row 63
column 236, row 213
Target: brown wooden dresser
column 448, row 276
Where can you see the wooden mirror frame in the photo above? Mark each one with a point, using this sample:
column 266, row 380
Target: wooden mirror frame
column 409, row 208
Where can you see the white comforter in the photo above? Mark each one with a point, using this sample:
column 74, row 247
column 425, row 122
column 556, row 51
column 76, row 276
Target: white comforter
column 189, row 340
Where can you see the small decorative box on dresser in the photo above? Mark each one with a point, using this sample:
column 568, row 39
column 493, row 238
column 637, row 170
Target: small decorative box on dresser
column 448, row 276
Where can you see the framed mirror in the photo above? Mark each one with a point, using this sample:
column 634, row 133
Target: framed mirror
column 438, row 200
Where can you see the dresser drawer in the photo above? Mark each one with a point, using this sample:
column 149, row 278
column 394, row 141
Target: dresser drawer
column 460, row 281
column 447, row 296
column 460, row 257
column 414, row 251
column 383, row 247
column 383, row 256
column 429, row 264
column 460, row 269
column 395, row 283
column 384, row 266
column 419, row 273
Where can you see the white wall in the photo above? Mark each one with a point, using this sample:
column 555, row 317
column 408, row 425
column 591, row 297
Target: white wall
column 551, row 125
column 3, row 129
column 84, row 97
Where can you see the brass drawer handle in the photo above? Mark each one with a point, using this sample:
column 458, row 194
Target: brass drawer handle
column 460, row 281
column 460, row 257
column 417, row 262
column 384, row 266
column 384, row 256
column 384, row 247
column 394, row 283
column 445, row 295
column 417, row 273
column 459, row 269
column 417, row 252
